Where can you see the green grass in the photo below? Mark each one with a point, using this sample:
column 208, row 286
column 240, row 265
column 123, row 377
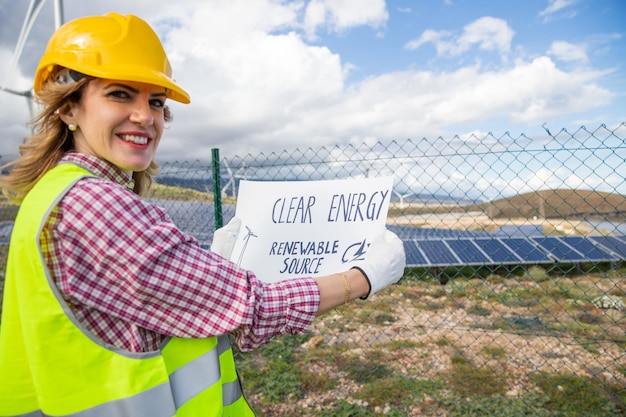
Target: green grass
column 270, row 371
column 578, row 396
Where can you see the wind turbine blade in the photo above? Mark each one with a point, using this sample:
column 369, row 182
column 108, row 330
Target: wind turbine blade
column 29, row 103
column 58, row 13
column 33, row 10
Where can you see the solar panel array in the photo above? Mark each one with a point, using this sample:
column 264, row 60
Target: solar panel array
column 444, row 247
column 433, row 247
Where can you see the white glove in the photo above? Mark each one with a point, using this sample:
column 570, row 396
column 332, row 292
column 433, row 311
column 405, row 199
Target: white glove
column 384, row 262
column 224, row 238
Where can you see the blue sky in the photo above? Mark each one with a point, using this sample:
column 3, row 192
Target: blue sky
column 272, row 75
column 593, row 28
column 437, row 37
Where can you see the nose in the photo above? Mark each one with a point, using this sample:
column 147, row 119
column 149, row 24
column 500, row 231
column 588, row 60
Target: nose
column 141, row 113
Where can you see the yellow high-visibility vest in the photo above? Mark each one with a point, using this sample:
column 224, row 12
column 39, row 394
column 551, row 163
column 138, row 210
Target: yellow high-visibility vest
column 50, row 365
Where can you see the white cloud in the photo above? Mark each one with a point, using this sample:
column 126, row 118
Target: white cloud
column 341, row 15
column 556, row 6
column 431, row 36
column 487, row 33
column 568, row 52
column 528, row 92
column 248, row 83
column 406, row 104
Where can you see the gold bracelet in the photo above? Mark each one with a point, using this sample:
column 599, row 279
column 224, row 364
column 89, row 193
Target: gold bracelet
column 346, row 285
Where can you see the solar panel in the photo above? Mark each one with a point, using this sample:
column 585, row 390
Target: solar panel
column 526, row 250
column 6, row 229
column 426, row 246
column 411, row 232
column 589, row 251
column 497, row 251
column 556, row 249
column 468, row 252
column 437, row 252
column 614, row 244
column 414, row 256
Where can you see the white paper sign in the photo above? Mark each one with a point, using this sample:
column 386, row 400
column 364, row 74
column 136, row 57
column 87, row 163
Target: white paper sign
column 308, row 228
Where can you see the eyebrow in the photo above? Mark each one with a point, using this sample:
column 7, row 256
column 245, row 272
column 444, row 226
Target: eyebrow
column 133, row 89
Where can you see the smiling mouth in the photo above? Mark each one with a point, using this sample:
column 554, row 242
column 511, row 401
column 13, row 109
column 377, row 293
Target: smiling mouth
column 138, row 140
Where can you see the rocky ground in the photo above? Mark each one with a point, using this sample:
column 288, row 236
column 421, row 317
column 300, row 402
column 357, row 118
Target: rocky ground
column 473, row 337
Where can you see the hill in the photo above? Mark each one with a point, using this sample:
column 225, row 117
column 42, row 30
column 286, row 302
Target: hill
column 559, row 203
column 546, row 204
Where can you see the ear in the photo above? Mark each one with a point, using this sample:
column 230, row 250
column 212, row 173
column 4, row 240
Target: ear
column 67, row 113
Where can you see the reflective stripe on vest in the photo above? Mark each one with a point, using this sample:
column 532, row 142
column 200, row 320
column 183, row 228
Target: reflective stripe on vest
column 48, row 362
column 231, row 391
column 154, row 402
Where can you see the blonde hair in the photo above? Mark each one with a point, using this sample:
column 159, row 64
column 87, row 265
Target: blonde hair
column 51, row 139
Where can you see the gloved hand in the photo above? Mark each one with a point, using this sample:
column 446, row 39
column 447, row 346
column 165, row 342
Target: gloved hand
column 224, row 238
column 384, row 262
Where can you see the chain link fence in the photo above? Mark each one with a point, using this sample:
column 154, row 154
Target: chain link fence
column 512, row 302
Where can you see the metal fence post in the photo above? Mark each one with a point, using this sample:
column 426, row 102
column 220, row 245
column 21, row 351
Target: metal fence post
column 217, row 188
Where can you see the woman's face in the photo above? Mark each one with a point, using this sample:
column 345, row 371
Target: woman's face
column 118, row 121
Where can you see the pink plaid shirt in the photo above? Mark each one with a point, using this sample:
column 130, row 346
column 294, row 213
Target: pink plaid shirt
column 132, row 278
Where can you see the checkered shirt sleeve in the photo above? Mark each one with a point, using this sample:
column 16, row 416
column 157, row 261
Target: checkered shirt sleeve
column 132, row 277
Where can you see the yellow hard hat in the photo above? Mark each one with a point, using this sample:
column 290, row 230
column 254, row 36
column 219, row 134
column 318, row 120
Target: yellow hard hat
column 112, row 46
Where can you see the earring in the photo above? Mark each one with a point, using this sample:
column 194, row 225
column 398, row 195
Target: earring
column 72, row 127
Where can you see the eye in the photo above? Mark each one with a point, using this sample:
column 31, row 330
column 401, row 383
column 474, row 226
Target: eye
column 119, row 94
column 157, row 103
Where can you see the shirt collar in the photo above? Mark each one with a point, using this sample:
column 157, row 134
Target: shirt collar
column 99, row 168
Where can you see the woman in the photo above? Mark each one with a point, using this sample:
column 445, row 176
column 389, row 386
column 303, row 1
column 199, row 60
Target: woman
column 109, row 309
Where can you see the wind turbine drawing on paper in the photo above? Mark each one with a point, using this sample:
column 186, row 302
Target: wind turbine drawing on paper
column 31, row 15
column 246, row 240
